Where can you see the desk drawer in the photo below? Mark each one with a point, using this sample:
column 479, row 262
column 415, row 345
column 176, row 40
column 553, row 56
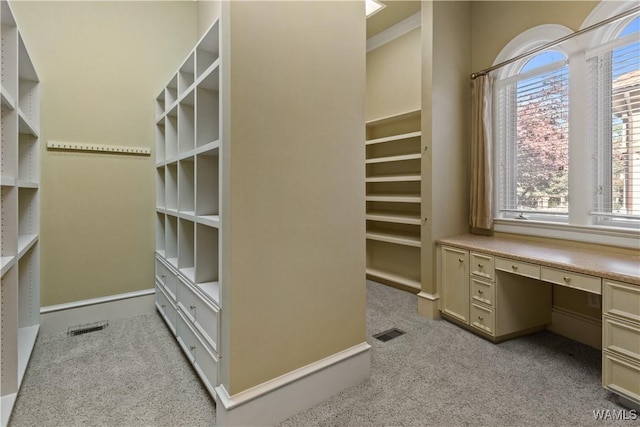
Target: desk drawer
column 573, row 280
column 482, row 265
column 621, row 376
column 621, row 337
column 482, row 318
column 482, row 291
column 203, row 315
column 518, row 267
column 621, row 300
column 166, row 308
column 167, row 277
column 204, row 360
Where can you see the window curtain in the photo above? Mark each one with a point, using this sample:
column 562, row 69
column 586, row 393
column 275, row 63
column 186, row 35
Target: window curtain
column 481, row 198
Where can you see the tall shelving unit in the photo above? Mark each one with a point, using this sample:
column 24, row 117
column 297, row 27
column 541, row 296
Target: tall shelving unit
column 188, row 199
column 20, row 210
column 393, row 199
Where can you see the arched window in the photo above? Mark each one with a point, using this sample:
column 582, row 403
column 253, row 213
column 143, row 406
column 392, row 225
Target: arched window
column 533, row 130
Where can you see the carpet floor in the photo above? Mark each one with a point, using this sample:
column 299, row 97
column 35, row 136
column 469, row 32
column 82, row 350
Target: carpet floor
column 133, row 374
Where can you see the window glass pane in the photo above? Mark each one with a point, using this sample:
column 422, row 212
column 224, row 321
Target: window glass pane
column 542, row 59
column 633, row 27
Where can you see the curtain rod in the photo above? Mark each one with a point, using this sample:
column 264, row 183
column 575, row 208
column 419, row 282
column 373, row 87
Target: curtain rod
column 557, row 42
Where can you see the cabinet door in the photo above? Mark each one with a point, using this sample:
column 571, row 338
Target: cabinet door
column 455, row 283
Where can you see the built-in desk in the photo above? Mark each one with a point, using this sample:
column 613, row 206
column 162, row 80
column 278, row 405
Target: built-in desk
column 500, row 287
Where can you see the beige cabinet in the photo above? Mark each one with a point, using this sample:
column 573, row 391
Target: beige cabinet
column 621, row 339
column 455, row 283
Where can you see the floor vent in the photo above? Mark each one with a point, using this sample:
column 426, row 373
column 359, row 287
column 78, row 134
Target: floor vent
column 389, row 335
column 85, row 329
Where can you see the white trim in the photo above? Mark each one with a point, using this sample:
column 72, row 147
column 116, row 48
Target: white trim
column 58, row 318
column 578, row 327
column 295, row 391
column 605, row 10
column 591, row 234
column 395, row 31
column 430, row 297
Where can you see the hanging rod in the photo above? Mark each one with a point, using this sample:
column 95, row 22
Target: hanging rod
column 557, row 42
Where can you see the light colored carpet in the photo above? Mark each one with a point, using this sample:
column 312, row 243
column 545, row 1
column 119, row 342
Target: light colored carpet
column 130, row 374
column 133, row 374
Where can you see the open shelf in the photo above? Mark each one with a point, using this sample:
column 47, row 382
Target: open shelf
column 160, row 105
column 25, row 242
column 28, row 288
column 171, row 93
column 9, row 337
column 160, row 142
column 396, row 237
column 186, row 186
column 207, row 255
column 171, row 134
column 171, row 183
column 186, row 75
column 208, row 51
column 395, row 178
column 171, row 239
column 28, row 211
column 207, row 184
column 160, row 233
column 9, row 54
column 28, row 88
column 186, row 246
column 396, row 158
column 393, row 138
column 385, row 276
column 160, row 188
column 27, row 336
column 393, row 217
column 393, row 198
column 28, row 164
column 9, row 154
column 186, row 124
column 6, row 262
column 207, row 109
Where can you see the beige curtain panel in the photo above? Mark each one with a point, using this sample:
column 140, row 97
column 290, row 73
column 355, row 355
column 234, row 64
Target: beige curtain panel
column 481, row 207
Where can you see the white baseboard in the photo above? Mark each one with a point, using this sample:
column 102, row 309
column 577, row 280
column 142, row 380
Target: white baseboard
column 577, row 327
column 282, row 397
column 58, row 318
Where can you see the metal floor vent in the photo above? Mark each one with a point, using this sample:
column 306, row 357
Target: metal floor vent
column 389, row 335
column 85, row 329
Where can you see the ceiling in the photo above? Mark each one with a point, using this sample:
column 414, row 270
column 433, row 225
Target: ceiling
column 394, row 12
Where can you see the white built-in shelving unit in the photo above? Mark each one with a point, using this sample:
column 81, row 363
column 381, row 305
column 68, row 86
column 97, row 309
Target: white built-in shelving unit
column 188, row 200
column 20, row 210
column 393, row 180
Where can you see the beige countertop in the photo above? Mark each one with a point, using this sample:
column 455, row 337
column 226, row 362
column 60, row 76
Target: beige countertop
column 604, row 261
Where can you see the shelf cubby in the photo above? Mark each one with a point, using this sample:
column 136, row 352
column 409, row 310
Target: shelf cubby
column 399, row 264
column 171, row 93
column 208, row 109
column 393, row 147
column 207, row 257
column 9, row 154
column 186, row 124
column 171, row 240
column 186, row 186
column 8, row 222
column 28, row 88
column 186, row 246
column 207, row 185
column 9, row 336
column 28, row 160
column 171, row 134
column 186, row 75
column 160, row 188
column 160, row 233
column 9, row 54
column 28, row 212
column 28, row 289
column 160, row 105
column 171, row 184
column 207, row 50
column 160, row 141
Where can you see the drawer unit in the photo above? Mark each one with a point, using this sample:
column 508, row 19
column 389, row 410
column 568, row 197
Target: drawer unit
column 166, row 308
column 205, row 316
column 573, row 280
column 482, row 265
column 621, row 300
column 621, row 375
column 482, row 318
column 621, row 337
column 167, row 277
column 203, row 359
column 482, row 291
column 518, row 267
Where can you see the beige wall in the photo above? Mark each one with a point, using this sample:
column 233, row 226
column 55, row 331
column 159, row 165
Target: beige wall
column 101, row 64
column 495, row 23
column 393, row 77
column 294, row 283
column 208, row 11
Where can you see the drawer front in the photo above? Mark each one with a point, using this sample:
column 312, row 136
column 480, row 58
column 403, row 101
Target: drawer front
column 518, row 267
column 482, row 291
column 166, row 308
column 482, row 265
column 482, row 318
column 621, row 376
column 167, row 277
column 621, row 300
column 573, row 280
column 203, row 359
column 622, row 338
column 204, row 315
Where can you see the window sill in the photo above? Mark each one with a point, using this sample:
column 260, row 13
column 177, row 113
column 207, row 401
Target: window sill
column 593, row 234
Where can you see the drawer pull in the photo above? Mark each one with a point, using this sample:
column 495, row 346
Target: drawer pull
column 460, row 260
column 480, row 291
column 164, row 306
column 192, row 307
column 514, row 267
column 192, row 347
column 480, row 318
column 566, row 279
column 164, row 276
column 480, row 265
